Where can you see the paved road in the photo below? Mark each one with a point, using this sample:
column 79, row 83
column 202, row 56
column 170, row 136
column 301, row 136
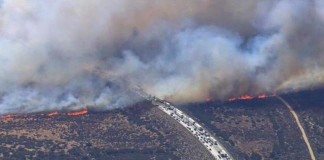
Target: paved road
column 210, row 142
column 311, row 153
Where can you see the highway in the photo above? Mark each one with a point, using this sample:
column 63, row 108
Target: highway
column 210, row 143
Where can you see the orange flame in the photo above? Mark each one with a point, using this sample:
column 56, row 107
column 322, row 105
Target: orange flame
column 247, row 97
column 262, row 96
column 79, row 113
column 7, row 116
column 53, row 114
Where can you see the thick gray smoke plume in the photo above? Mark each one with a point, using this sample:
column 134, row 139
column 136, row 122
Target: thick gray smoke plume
column 59, row 54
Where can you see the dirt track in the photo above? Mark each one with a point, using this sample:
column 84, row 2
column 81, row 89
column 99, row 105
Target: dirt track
column 300, row 127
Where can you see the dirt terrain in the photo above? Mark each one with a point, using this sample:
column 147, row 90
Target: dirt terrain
column 310, row 107
column 138, row 132
column 264, row 128
column 249, row 129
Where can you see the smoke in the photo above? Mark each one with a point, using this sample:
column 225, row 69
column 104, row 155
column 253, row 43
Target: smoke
column 65, row 55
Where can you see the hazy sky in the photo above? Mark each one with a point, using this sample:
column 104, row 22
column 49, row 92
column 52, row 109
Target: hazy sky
column 59, row 54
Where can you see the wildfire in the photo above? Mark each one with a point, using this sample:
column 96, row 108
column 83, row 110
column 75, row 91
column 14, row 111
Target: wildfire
column 53, row 114
column 79, row 113
column 263, row 96
column 247, row 97
column 7, row 116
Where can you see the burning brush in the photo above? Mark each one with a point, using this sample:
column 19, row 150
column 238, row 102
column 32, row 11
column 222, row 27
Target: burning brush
column 248, row 97
column 83, row 112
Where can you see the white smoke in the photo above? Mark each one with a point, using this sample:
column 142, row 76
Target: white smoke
column 66, row 55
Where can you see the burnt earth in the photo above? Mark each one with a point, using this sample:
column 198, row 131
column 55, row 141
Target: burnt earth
column 310, row 107
column 138, row 132
column 265, row 129
column 255, row 129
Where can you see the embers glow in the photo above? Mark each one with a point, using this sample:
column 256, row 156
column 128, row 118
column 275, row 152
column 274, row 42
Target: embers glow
column 247, row 97
column 79, row 113
column 263, row 96
column 7, row 116
column 53, row 114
